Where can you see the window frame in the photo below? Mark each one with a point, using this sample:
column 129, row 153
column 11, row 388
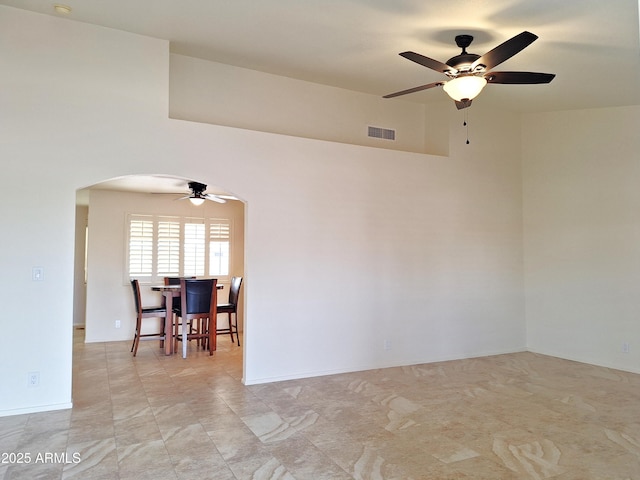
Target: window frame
column 155, row 276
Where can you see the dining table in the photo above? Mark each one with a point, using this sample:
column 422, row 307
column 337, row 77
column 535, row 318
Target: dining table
column 169, row 292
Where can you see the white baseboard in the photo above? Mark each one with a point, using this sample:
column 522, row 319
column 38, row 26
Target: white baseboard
column 36, row 409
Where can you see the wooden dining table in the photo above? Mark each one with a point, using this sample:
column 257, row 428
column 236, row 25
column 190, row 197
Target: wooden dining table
column 169, row 292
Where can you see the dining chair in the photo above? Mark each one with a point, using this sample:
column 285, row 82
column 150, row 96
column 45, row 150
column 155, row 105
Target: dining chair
column 231, row 307
column 176, row 300
column 198, row 302
column 146, row 312
column 174, row 281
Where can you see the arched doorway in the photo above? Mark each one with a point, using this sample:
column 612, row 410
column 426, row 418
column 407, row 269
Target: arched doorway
column 101, row 274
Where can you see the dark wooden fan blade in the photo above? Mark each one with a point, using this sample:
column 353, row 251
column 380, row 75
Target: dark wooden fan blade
column 462, row 105
column 428, row 62
column 505, row 50
column 415, row 89
column 522, row 78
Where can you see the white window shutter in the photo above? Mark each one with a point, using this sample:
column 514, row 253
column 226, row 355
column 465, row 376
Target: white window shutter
column 168, row 248
column 219, row 246
column 194, row 249
column 162, row 246
column 140, row 247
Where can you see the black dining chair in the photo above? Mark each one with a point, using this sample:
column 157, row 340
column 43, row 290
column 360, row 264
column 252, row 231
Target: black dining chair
column 198, row 302
column 176, row 300
column 174, row 281
column 146, row 312
column 231, row 307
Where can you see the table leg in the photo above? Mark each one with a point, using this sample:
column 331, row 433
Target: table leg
column 168, row 323
column 185, row 335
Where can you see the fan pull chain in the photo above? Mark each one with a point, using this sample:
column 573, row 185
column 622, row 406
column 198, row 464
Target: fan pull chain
column 465, row 123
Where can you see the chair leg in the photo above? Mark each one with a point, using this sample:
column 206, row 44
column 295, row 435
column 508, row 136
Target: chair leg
column 230, row 327
column 175, row 335
column 136, row 342
column 200, row 330
column 185, row 337
column 235, row 326
column 136, row 336
column 213, row 332
column 163, row 333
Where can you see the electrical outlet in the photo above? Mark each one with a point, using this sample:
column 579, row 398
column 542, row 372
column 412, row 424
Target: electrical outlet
column 33, row 379
column 625, row 347
column 117, row 323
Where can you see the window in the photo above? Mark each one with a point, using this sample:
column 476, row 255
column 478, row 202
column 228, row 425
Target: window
column 168, row 247
column 161, row 246
column 194, row 249
column 219, row 237
column 140, row 248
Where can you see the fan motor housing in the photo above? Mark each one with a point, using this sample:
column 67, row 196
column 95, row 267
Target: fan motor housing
column 463, row 41
column 464, row 59
column 197, row 187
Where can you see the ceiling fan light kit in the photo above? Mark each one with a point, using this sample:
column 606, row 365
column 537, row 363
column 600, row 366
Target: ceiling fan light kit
column 469, row 73
column 463, row 89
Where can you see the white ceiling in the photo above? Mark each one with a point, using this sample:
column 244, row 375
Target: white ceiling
column 591, row 45
column 149, row 184
column 153, row 184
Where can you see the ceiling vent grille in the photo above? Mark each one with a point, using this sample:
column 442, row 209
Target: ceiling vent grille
column 384, row 133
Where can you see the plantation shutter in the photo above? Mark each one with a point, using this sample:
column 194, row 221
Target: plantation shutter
column 163, row 246
column 141, row 247
column 168, row 248
column 219, row 241
column 194, row 249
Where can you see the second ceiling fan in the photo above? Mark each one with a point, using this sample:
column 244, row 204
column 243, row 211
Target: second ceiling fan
column 468, row 73
column 198, row 195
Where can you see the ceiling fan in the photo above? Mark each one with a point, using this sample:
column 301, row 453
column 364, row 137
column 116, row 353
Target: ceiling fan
column 198, row 196
column 468, row 73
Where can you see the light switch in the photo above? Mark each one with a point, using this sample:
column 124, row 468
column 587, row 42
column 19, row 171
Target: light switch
column 37, row 274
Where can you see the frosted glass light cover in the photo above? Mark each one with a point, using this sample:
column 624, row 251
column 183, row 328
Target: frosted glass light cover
column 464, row 88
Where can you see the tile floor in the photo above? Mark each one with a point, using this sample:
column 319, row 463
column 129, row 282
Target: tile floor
column 518, row 416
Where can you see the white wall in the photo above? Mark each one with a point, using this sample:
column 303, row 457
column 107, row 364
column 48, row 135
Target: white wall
column 346, row 246
column 221, row 94
column 78, row 102
column 109, row 295
column 582, row 235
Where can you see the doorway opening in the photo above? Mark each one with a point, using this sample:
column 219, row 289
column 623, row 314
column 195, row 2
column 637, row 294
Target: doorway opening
column 103, row 304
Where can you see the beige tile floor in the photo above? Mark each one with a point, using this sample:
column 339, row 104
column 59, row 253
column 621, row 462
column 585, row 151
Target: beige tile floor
column 518, row 416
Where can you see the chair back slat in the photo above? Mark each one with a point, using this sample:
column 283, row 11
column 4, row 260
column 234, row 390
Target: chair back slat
column 197, row 295
column 234, row 290
column 135, row 285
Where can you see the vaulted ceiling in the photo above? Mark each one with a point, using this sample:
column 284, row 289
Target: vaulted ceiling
column 591, row 45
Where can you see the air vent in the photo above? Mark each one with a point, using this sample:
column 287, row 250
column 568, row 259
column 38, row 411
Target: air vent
column 384, row 133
